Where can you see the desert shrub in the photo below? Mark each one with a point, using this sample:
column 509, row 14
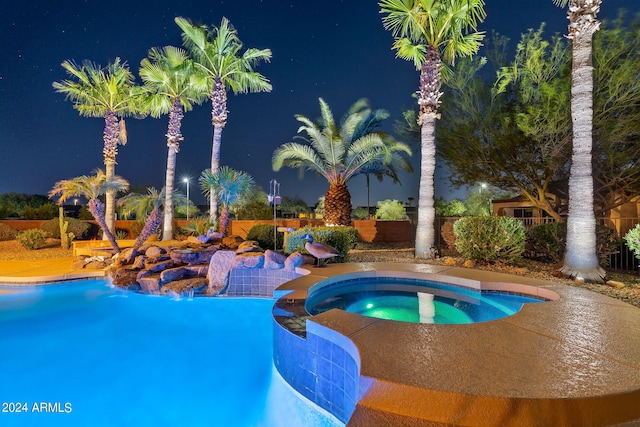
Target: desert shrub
column 391, row 210
column 449, row 237
column 121, row 234
column 489, row 238
column 197, row 227
column 547, row 242
column 135, row 228
column 360, row 213
column 80, row 229
column 46, row 211
column 7, row 232
column 32, row 239
column 342, row 238
column 263, row 234
column 633, row 240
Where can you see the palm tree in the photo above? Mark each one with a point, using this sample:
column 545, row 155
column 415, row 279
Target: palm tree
column 228, row 185
column 217, row 53
column 339, row 152
column 581, row 260
column 108, row 93
column 428, row 33
column 391, row 162
column 173, row 85
column 92, row 187
column 146, row 206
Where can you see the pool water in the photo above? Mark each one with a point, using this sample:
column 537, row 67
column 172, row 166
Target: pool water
column 423, row 301
column 84, row 353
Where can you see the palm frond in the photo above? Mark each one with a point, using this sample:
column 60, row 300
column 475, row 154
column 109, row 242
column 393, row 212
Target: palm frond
column 228, row 184
column 141, row 205
column 298, row 156
column 88, row 186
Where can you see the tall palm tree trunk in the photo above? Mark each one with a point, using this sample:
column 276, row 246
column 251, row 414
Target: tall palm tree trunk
column 215, row 165
column 174, row 136
column 111, row 137
column 428, row 100
column 425, row 231
column 581, row 260
column 219, row 121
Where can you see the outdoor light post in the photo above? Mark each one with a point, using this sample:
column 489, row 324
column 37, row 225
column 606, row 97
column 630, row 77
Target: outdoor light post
column 274, row 197
column 186, row 180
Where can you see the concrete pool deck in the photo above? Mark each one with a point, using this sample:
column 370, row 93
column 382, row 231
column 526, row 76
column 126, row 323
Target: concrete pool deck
column 42, row 271
column 573, row 361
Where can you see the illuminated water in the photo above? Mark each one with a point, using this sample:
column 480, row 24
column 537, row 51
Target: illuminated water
column 417, row 301
column 86, row 354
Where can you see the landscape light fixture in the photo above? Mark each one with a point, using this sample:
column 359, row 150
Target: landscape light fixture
column 274, row 197
column 186, row 180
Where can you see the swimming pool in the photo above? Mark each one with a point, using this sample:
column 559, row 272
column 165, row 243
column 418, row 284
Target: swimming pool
column 84, row 353
column 414, row 300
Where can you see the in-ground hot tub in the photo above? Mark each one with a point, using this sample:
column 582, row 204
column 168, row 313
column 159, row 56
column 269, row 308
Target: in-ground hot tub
column 415, row 300
column 571, row 361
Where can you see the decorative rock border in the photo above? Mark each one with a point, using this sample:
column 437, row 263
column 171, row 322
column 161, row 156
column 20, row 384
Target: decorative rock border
column 197, row 268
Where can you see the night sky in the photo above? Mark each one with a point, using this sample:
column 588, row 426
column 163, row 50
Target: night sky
column 334, row 49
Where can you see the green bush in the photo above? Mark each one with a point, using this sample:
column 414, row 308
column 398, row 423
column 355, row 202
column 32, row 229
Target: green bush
column 341, row 238
column 85, row 214
column 4, row 212
column 263, row 234
column 32, row 239
column 80, row 229
column 547, row 242
column 255, row 209
column 489, row 238
column 7, row 232
column 633, row 240
column 391, row 210
column 46, row 211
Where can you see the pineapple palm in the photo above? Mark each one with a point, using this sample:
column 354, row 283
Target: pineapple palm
column 339, row 152
column 428, row 33
column 92, row 187
column 173, row 86
column 229, row 186
column 217, row 53
column 108, row 92
column 581, row 260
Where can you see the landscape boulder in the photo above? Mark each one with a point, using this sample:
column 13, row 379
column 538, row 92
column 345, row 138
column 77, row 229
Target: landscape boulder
column 293, row 261
column 193, row 256
column 274, row 260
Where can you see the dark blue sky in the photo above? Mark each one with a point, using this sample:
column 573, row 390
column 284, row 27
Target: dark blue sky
column 334, row 49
